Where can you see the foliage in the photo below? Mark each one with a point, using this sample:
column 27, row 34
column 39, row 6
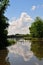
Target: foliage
column 3, row 23
column 36, row 29
column 12, row 41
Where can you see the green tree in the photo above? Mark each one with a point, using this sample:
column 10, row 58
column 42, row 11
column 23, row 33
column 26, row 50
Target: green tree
column 36, row 29
column 3, row 24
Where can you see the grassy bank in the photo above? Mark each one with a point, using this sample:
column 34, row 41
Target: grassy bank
column 11, row 41
column 37, row 39
column 33, row 39
column 27, row 38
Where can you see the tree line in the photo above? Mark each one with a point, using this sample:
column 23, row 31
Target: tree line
column 3, row 24
column 36, row 29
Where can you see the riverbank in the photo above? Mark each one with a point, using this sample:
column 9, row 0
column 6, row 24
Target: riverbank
column 33, row 39
column 11, row 41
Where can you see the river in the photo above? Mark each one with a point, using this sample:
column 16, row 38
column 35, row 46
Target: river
column 24, row 52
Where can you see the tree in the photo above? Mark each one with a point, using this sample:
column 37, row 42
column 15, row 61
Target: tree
column 3, row 23
column 36, row 29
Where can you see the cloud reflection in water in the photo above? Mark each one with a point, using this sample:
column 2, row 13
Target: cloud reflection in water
column 20, row 49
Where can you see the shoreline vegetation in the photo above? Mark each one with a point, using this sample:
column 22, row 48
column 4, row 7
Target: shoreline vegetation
column 11, row 41
column 33, row 39
column 23, row 36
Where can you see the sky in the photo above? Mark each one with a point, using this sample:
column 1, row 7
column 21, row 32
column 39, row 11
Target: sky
column 21, row 14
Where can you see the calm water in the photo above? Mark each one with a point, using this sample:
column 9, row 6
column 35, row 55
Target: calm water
column 23, row 53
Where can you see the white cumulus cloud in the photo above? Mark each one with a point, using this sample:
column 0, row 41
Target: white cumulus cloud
column 20, row 25
column 33, row 7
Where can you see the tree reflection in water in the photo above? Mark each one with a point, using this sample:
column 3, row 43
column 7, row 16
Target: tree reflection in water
column 3, row 54
column 37, row 49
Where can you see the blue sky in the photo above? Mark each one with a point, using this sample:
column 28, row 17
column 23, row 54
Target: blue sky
column 21, row 13
column 18, row 6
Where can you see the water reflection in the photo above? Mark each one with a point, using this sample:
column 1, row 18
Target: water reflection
column 20, row 53
column 21, row 49
column 3, row 54
column 37, row 48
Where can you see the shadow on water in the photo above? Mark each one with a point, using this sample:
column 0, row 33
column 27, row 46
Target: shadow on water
column 37, row 49
column 3, row 54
